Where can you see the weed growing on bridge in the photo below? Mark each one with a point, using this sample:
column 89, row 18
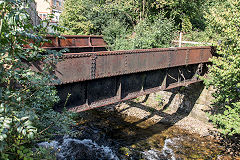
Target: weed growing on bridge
column 26, row 99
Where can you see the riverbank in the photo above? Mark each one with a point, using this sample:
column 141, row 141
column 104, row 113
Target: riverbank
column 182, row 111
column 164, row 125
column 134, row 138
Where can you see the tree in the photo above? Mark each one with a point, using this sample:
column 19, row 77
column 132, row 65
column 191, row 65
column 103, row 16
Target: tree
column 121, row 22
column 26, row 98
column 224, row 74
column 74, row 17
column 147, row 34
column 90, row 16
column 187, row 14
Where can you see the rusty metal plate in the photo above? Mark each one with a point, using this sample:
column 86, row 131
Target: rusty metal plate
column 207, row 53
column 128, row 74
column 97, row 41
column 178, row 57
column 94, row 65
column 82, row 41
column 72, row 41
column 154, row 79
column 74, row 69
column 85, row 99
column 199, row 54
column 53, row 42
column 101, row 89
column 77, row 92
column 110, row 65
column 194, row 56
column 139, row 62
column 131, row 84
column 186, row 83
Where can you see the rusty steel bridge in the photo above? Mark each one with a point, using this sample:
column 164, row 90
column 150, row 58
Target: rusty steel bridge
column 96, row 77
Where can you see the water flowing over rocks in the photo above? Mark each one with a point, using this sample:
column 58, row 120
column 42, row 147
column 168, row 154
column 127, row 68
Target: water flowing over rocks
column 149, row 128
column 166, row 153
column 79, row 149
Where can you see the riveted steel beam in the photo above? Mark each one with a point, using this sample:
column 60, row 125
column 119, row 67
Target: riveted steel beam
column 77, row 67
column 101, row 78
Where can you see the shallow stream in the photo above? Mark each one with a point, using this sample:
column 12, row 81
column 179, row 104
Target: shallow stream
column 110, row 135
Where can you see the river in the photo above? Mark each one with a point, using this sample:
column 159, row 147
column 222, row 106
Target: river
column 105, row 134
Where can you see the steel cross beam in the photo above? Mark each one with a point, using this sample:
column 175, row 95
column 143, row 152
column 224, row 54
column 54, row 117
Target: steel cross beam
column 75, row 43
column 96, row 79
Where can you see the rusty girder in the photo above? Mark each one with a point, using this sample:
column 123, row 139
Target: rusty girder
column 96, row 79
column 75, row 43
column 71, row 41
column 77, row 67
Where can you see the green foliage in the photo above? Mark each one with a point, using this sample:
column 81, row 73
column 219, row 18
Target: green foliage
column 114, row 30
column 91, row 17
column 224, row 74
column 146, row 34
column 156, row 34
column 200, row 36
column 131, row 24
column 229, row 120
column 186, row 24
column 45, row 153
column 116, row 20
column 74, row 17
column 26, row 99
column 186, row 14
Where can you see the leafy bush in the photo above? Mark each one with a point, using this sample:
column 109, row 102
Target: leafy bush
column 229, row 120
column 186, row 14
column 224, row 74
column 114, row 30
column 26, row 98
column 154, row 34
column 148, row 34
column 91, row 17
column 119, row 22
column 73, row 17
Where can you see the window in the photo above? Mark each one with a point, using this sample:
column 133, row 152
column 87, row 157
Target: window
column 44, row 16
column 54, row 2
